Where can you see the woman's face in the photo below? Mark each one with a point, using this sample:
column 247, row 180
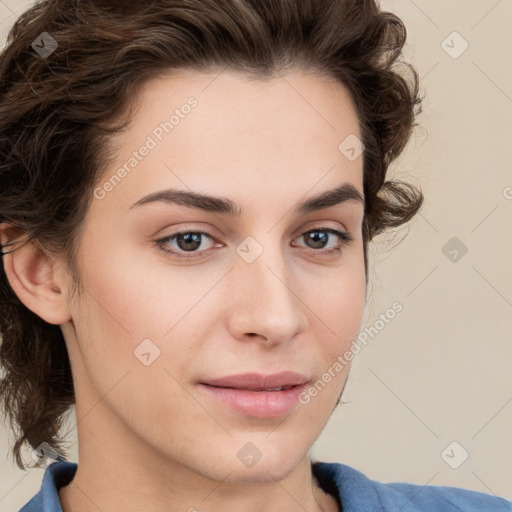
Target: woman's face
column 265, row 291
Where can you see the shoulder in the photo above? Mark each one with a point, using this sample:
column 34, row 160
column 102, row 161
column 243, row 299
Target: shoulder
column 358, row 492
column 434, row 497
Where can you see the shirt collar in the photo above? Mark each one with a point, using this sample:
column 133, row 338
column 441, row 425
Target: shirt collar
column 56, row 475
column 355, row 491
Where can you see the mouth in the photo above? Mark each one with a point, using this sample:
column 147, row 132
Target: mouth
column 255, row 402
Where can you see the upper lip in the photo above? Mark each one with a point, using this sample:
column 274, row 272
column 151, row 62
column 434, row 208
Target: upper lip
column 258, row 380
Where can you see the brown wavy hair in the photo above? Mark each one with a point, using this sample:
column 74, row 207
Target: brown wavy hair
column 57, row 114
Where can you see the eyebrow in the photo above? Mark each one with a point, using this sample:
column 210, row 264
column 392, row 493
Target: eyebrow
column 344, row 192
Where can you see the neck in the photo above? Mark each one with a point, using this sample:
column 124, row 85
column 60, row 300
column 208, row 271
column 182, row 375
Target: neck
column 119, row 487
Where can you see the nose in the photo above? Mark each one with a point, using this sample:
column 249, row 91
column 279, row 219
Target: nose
column 265, row 302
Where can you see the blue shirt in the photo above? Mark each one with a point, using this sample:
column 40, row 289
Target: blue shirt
column 356, row 492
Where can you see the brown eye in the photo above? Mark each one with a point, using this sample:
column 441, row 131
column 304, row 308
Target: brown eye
column 186, row 242
column 319, row 237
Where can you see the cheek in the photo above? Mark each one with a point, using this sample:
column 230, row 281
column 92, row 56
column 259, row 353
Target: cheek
column 131, row 301
column 140, row 297
column 339, row 298
column 338, row 309
column 341, row 308
column 124, row 314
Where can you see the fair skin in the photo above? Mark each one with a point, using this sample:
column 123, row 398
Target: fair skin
column 149, row 437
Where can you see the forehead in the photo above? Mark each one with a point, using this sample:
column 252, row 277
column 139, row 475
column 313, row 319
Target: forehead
column 222, row 130
column 231, row 102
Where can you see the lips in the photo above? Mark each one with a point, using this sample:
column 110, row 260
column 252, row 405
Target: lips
column 259, row 382
column 257, row 395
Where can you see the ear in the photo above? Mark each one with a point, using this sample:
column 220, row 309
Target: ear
column 36, row 277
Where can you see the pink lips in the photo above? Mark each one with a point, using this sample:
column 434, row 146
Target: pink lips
column 250, row 393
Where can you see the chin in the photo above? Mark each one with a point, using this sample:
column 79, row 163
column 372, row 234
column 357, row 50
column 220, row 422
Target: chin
column 261, row 473
column 266, row 470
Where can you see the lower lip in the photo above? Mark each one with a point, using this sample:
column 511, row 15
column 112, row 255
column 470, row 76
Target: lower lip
column 258, row 404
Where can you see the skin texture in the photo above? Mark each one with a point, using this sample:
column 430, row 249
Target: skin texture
column 149, row 438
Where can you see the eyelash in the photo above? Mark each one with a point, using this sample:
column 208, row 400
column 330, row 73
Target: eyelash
column 346, row 238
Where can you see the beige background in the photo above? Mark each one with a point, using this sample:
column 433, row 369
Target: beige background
column 440, row 370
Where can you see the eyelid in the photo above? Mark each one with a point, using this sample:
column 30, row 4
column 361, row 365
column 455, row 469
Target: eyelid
column 310, row 226
column 319, row 224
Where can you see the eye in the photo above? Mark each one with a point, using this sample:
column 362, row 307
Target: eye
column 189, row 241
column 319, row 237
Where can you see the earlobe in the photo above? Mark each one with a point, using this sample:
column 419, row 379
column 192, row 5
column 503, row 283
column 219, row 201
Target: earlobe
column 31, row 272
